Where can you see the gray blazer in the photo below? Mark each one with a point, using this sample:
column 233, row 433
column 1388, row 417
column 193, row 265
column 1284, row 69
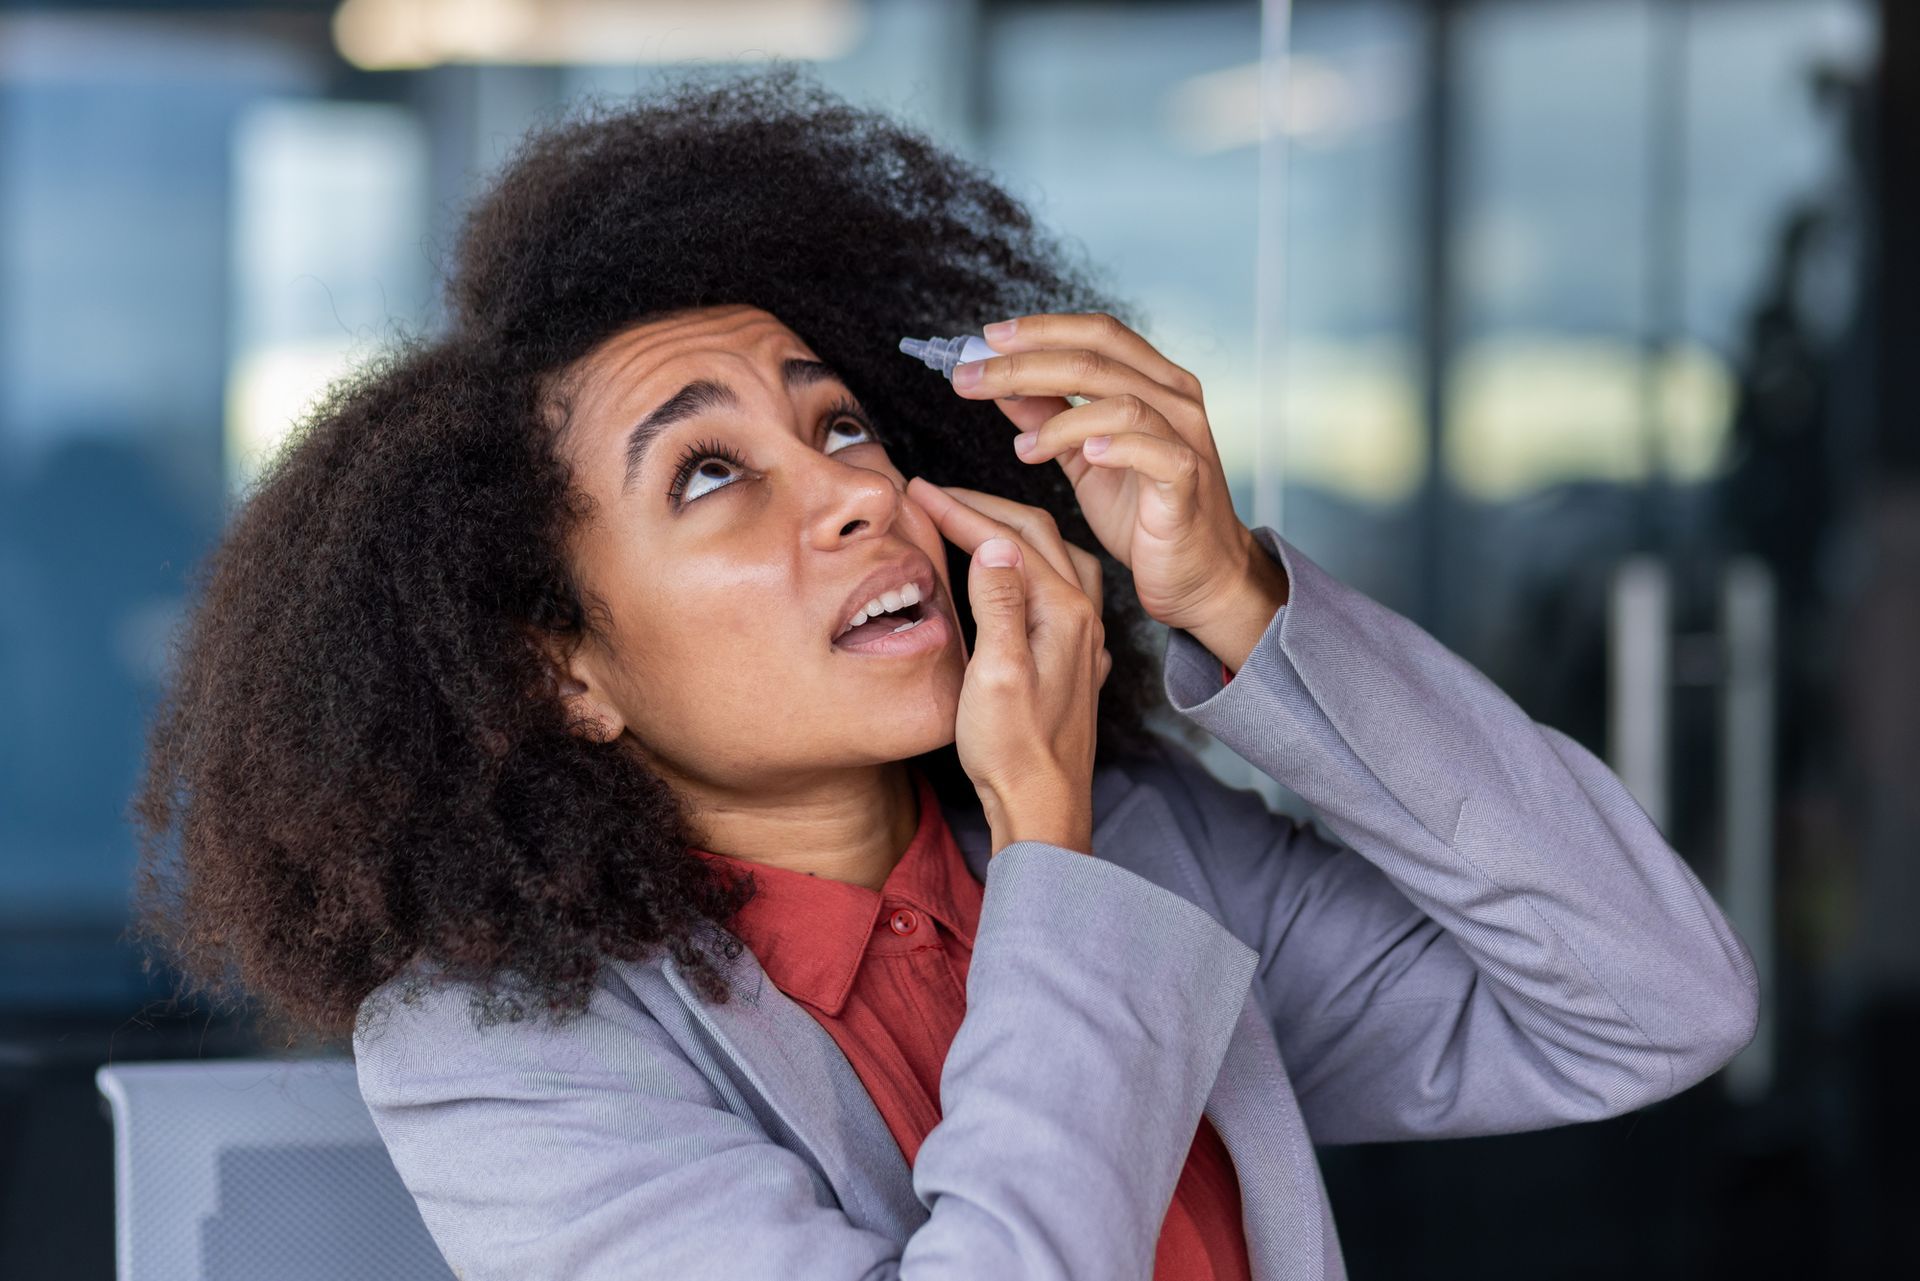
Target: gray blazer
column 1500, row 940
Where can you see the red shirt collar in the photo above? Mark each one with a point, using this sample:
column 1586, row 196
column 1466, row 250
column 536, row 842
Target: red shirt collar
column 810, row 932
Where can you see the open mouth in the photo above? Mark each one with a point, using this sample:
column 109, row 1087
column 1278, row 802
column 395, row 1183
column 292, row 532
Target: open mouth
column 904, row 619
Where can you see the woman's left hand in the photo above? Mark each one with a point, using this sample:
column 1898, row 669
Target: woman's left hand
column 1140, row 455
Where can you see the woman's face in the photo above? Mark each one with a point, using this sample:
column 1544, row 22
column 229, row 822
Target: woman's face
column 724, row 581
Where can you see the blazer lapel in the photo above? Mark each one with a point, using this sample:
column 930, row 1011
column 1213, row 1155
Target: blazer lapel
column 1282, row 1196
column 795, row 1066
column 1252, row 1106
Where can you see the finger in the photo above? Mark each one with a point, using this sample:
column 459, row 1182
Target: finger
column 1092, row 577
column 1096, row 331
column 1106, row 666
column 1029, row 412
column 967, row 528
column 1061, row 436
column 1069, row 371
column 1034, row 525
column 1172, row 469
column 1075, row 564
column 997, row 595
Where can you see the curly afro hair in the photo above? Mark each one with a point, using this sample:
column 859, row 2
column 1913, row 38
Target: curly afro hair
column 359, row 753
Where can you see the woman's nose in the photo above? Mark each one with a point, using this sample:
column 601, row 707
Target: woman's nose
column 859, row 500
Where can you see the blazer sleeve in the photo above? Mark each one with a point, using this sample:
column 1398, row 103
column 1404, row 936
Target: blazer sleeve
column 1499, row 940
column 1099, row 1010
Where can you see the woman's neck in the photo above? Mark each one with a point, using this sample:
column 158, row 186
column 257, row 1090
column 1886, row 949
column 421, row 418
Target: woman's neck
column 850, row 827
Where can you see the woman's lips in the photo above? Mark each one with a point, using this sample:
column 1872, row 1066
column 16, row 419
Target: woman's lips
column 929, row 635
column 914, row 568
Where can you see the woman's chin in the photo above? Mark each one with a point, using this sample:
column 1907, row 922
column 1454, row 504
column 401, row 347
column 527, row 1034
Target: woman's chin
column 912, row 733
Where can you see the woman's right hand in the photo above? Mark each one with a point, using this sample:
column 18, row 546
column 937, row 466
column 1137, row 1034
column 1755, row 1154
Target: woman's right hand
column 1029, row 703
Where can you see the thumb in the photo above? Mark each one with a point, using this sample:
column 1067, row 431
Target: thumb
column 997, row 594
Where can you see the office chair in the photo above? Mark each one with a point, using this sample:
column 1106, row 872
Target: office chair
column 257, row 1170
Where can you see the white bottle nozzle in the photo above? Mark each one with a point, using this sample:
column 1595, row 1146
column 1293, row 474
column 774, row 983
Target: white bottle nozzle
column 944, row 353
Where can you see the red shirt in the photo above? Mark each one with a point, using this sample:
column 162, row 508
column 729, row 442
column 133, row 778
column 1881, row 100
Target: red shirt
column 885, row 972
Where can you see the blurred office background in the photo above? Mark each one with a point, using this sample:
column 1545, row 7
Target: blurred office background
column 1571, row 329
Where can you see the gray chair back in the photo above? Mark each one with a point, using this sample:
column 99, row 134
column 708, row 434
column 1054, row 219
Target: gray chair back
column 248, row 1169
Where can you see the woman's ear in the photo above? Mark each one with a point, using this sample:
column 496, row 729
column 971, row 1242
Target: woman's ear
column 574, row 679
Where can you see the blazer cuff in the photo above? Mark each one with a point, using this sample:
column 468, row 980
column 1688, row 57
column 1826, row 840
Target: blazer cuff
column 1199, row 684
column 1268, row 714
column 1127, row 933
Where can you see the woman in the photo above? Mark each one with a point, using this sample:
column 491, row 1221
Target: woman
column 544, row 724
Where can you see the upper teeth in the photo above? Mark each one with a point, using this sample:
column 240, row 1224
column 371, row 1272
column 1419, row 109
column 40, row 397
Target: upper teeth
column 886, row 603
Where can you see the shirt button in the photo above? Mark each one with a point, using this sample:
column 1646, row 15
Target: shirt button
column 903, row 921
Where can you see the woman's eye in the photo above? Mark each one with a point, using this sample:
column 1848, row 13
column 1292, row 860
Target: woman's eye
column 703, row 456
column 709, row 469
column 865, row 428
column 711, row 460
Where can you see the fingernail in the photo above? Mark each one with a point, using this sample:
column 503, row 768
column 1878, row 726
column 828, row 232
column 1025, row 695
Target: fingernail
column 1023, row 443
column 998, row 331
column 998, row 553
column 967, row 375
column 1095, row 445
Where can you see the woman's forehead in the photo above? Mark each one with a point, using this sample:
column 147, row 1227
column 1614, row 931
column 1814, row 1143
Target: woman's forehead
column 623, row 365
column 732, row 332
column 640, row 367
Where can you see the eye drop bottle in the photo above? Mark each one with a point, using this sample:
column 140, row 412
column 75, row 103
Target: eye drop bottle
column 944, row 353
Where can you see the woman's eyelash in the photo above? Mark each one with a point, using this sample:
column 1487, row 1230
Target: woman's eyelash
column 701, row 451
column 696, row 453
column 847, row 407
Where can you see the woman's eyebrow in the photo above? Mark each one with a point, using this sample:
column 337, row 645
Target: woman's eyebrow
column 703, row 395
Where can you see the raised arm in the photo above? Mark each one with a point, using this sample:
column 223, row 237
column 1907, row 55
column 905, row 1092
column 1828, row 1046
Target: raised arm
column 596, row 1150
column 1499, row 939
